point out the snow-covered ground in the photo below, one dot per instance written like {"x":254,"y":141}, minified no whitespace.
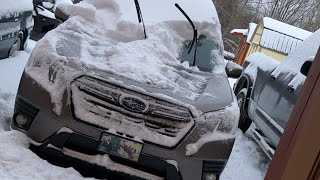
{"x":17,"y":162}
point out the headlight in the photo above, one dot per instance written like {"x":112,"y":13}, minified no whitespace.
{"x":225,"y":120}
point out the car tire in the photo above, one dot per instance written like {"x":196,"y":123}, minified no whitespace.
{"x":244,"y":121}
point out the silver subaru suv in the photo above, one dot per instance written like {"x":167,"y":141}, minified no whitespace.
{"x":135,"y":87}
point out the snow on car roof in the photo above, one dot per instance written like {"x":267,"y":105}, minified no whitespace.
{"x":10,"y":7}
{"x":286,"y":29}
{"x":306,"y":51}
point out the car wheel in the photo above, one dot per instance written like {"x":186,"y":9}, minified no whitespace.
{"x":244,"y":121}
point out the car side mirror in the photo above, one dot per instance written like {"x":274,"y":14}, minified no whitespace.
{"x":306,"y":67}
{"x":60,"y":14}
{"x":233,"y":69}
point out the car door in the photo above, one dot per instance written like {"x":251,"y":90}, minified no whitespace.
{"x":266,"y":103}
{"x":291,"y":88}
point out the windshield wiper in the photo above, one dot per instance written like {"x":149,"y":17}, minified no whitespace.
{"x":195,"y":35}
{"x":140,"y":18}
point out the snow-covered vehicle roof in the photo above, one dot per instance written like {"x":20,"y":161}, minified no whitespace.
{"x":10,"y":7}
{"x":306,"y":51}
{"x":104,"y":38}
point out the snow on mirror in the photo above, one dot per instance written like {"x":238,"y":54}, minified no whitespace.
{"x":48,"y":4}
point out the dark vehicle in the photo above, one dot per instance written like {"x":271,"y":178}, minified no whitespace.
{"x":44,"y":18}
{"x":105,"y":89}
{"x":267,"y":92}
{"x":15,"y":29}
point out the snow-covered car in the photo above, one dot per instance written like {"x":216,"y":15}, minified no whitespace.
{"x":15,"y":26}
{"x":150,"y":99}
{"x":267,"y":91}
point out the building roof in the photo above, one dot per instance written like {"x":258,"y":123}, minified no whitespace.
{"x":280,"y":36}
{"x":252,"y":28}
{"x":246,"y":32}
{"x":286,"y":29}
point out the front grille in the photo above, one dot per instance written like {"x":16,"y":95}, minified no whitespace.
{"x":134,"y":114}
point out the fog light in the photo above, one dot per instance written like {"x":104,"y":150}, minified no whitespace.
{"x":209,"y":176}
{"x":21,"y":120}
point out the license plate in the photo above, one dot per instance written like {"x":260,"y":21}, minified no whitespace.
{"x":120,"y":146}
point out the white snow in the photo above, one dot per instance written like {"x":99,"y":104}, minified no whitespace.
{"x":252,"y":28}
{"x":286,"y":29}
{"x":46,"y":13}
{"x":12,"y":7}
{"x":279,"y":42}
{"x":306,"y":51}
{"x":173,"y":162}
{"x":229,"y":55}
{"x":282,"y":37}
{"x":262,"y":61}
{"x":12,"y":68}
{"x":18,"y":162}
{"x":246,"y":32}
{"x":247,"y":160}
{"x":240,"y":31}
{"x":232,"y":81}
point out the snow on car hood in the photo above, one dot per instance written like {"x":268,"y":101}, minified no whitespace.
{"x":101,"y":36}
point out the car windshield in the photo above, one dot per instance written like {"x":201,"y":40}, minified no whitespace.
{"x":207,"y":51}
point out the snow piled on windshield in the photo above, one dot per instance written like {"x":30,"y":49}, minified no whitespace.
{"x":9,"y":8}
{"x":97,"y":37}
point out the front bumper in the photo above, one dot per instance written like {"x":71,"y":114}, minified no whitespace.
{"x":78,"y":140}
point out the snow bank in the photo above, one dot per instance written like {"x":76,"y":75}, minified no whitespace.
{"x":247,"y":161}
{"x":13,"y":68}
{"x":6,"y":109}
{"x":11,"y":7}
{"x":99,"y":36}
{"x":18,"y":162}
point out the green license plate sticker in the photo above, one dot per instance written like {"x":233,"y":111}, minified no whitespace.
{"x":119,"y":146}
